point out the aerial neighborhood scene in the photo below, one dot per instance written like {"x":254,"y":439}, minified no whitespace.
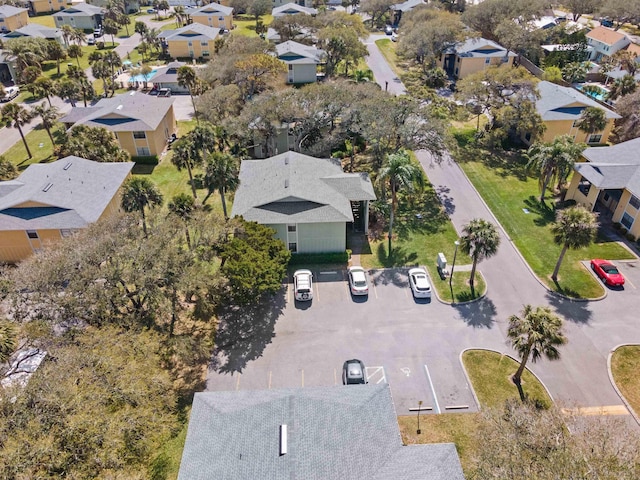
{"x":320,"y":239}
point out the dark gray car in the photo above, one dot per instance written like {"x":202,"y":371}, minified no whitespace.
{"x":353,"y":372}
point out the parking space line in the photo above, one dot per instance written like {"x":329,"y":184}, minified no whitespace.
{"x":630,"y":282}
{"x":270,"y":379}
{"x":317,"y":292}
{"x":288,"y":294}
{"x":433,"y":391}
{"x":238,"y":382}
{"x":375,"y":371}
{"x":335,"y":376}
{"x":375,"y":290}
{"x":302,"y":377}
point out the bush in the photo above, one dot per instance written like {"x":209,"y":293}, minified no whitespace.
{"x":100,"y":45}
{"x":318,"y":258}
{"x":623,"y":231}
{"x":617,"y":225}
{"x":631,"y":237}
{"x":146,"y":160}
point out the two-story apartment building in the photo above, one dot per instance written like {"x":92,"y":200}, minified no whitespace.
{"x":474,"y":55}
{"x":191,"y":41}
{"x":213,"y":15}
{"x":37,"y":7}
{"x":80,"y":15}
{"x":12,"y":18}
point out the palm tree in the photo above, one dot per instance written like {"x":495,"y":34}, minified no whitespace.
{"x":141,"y":27}
{"x":553,"y":160}
{"x":622,"y":86}
{"x":480,"y":239}
{"x":49,"y":116}
{"x":574,"y":228}
{"x":592,"y":120}
{"x":365,"y":75}
{"x":8,"y":340}
{"x":67,"y":33}
{"x":222,"y":175}
{"x":139,"y":193}
{"x":188,"y":78}
{"x":205,"y":138}
{"x":75,"y":51}
{"x":78,"y":36}
{"x":152,"y":37}
{"x":179,"y":13}
{"x":182,"y":206}
{"x":56,"y":52}
{"x":100,"y":69}
{"x":146,"y":71}
{"x":113,"y":60}
{"x":186,"y":155}
{"x":43,"y":87}
{"x":535,"y":333}
{"x":68,"y":89}
{"x":15,"y":115}
{"x":399,"y":172}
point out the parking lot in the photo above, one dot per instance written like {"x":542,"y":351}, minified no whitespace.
{"x":410,"y":344}
{"x":630,"y":269}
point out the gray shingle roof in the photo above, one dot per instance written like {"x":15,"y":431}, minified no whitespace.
{"x":408,"y":5}
{"x":37,"y":31}
{"x":193,"y":32}
{"x":211,"y":9}
{"x":80,"y":10}
{"x":73,"y":192}
{"x":479,"y":48}
{"x":565,"y":103}
{"x":291,"y":52}
{"x":129,"y":112}
{"x":345,"y":433}
{"x":296,"y":188}
{"x":292,"y":9}
{"x":10,"y":10}
{"x":168,"y":73}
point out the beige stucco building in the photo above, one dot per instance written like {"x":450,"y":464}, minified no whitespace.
{"x":213,"y":15}
{"x":12,"y":18}
{"x":474,"y":55}
{"x":141,"y":123}
{"x":50,"y":201}
{"x":38,"y":7}
{"x":191,"y":41}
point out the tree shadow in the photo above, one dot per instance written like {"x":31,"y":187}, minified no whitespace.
{"x":142,"y":169}
{"x":546,"y":214}
{"x":244,"y":332}
{"x":571,"y":310}
{"x":399,"y":256}
{"x":447,"y":202}
{"x":421,"y":212}
{"x":393,"y":276}
{"x":479,"y":314}
{"x":358,"y":243}
{"x":567,"y":292}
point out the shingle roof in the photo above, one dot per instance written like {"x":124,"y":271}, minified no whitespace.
{"x":292,"y":52}
{"x":292,"y":9}
{"x":81,"y":10}
{"x":211,"y":9}
{"x":479,"y":48}
{"x":168,"y":73}
{"x":565,"y":103}
{"x":73,"y":192}
{"x":296,"y":188}
{"x":408,"y":5}
{"x":10,"y":10}
{"x":344,"y":432}
{"x":194,"y":31}
{"x":606,"y":35}
{"x":37,"y":31}
{"x":123,"y":113}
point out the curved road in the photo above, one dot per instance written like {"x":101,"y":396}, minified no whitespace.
{"x":593,"y":329}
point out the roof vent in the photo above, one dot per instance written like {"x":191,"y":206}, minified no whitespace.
{"x":119,"y":107}
{"x":286,"y":183}
{"x":67,"y":166}
{"x":47,"y":187}
{"x":283,"y":440}
{"x":286,"y":160}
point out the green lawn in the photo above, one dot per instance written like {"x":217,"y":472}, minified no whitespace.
{"x":490,"y":374}
{"x":625,"y":363}
{"x":167,"y":461}
{"x":40,"y":146}
{"x":513,"y":198}
{"x":46,"y":20}
{"x":388,"y":50}
{"x":246,"y":24}
{"x":49,"y":68}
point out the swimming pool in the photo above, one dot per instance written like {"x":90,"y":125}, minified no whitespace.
{"x":599,"y":94}
{"x":141,"y":79}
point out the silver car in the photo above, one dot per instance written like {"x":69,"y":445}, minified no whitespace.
{"x":419,"y":282}
{"x":303,"y":285}
{"x":358,"y":281}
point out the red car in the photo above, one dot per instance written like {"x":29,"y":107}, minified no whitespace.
{"x":608,"y":272}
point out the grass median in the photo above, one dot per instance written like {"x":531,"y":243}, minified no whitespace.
{"x":625,"y":364}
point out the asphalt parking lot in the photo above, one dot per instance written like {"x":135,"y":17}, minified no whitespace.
{"x":405,"y":342}
{"x":630,"y":269}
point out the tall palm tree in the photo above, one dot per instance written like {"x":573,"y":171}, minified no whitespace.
{"x":186,"y":155}
{"x":535,"y":333}
{"x":68,"y":89}
{"x":179,"y":13}
{"x":205,"y":138}
{"x":222,"y":175}
{"x":43,"y":87}
{"x":399,"y":172}
{"x":553,"y":160}
{"x":622,"y":86}
{"x":56,"y":52}
{"x":113,"y":60}
{"x":78,"y":36}
{"x":8,"y":340}
{"x":67,"y":33}
{"x":480,"y":239}
{"x":592,"y":120}
{"x":49,"y":116}
{"x":152,"y":37}
{"x":188,"y":78}
{"x":139,"y":193}
{"x":75,"y":51}
{"x":15,"y":115}
{"x":182,"y":206}
{"x":574,"y":228}
{"x":100,"y":69}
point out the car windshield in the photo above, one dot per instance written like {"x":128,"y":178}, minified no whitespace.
{"x":303,"y":290}
{"x":359,"y":280}
{"x":355,"y":371}
{"x":610,"y":269}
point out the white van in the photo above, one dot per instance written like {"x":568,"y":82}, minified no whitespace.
{"x":10,"y":93}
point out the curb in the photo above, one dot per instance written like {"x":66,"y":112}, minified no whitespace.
{"x":504,"y":355}
{"x":613,"y":383}
{"x":456,"y":304}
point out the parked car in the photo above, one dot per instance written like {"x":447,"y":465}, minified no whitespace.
{"x":91,"y":40}
{"x":358,"y":281}
{"x":151,"y":10}
{"x":353,"y":372}
{"x":608,"y":272}
{"x":388,"y":30}
{"x":419,"y":282}
{"x":606,"y":22}
{"x":303,"y":285}
{"x":97,"y":32}
{"x":10,"y":93}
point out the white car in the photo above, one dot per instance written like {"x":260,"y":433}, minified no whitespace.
{"x":10,"y":93}
{"x":419,"y":282}
{"x":303,"y":285}
{"x":358,"y":281}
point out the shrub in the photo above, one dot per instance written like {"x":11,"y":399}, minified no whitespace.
{"x":623,"y":231}
{"x":146,"y":160}
{"x":316,"y":258}
{"x":100,"y":45}
{"x":617,"y":225}
{"x":631,"y":237}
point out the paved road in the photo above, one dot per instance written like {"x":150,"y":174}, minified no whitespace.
{"x":382,"y":72}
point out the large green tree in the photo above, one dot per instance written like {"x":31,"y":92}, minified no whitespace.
{"x":222,"y":175}
{"x":186,"y":154}
{"x":592,"y":120}
{"x":553,"y":161}
{"x":480,"y":239}
{"x":537,"y":332}
{"x":182,"y":206}
{"x":627,"y":127}
{"x":399,"y":172}
{"x":49,"y":115}
{"x":575,"y":227}
{"x":138,"y":194}
{"x":93,"y":143}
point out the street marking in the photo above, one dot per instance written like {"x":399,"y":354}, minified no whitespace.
{"x":375,"y":290}
{"x":433,"y":391}
{"x":288,"y":294}
{"x":328,"y":273}
{"x":317,"y":293}
{"x":420,"y":409}
{"x":335,"y":376}
{"x":455,"y":407}
{"x":238,"y":382}
{"x":406,"y":371}
{"x":375,"y":372}
{"x":269,"y":379}
{"x":630,"y":283}
{"x":604,"y":410}
{"x":302,"y":377}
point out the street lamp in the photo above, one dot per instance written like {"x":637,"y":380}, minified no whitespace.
{"x":453,"y":265}
{"x":419,"y":408}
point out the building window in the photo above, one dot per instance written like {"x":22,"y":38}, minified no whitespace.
{"x":32,"y":234}
{"x":594,"y":138}
{"x":290,"y":68}
{"x":205,"y":53}
{"x":626,"y":221}
{"x":584,"y":187}
{"x":487,"y":61}
{"x":59,"y":19}
{"x":65,"y":232}
{"x":143,"y":151}
{"x":291,"y":227}
{"x":293,"y":247}
{"x":191,"y":44}
{"x":634,"y":202}
{"x":204,"y":44}
{"x":139,"y":135}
